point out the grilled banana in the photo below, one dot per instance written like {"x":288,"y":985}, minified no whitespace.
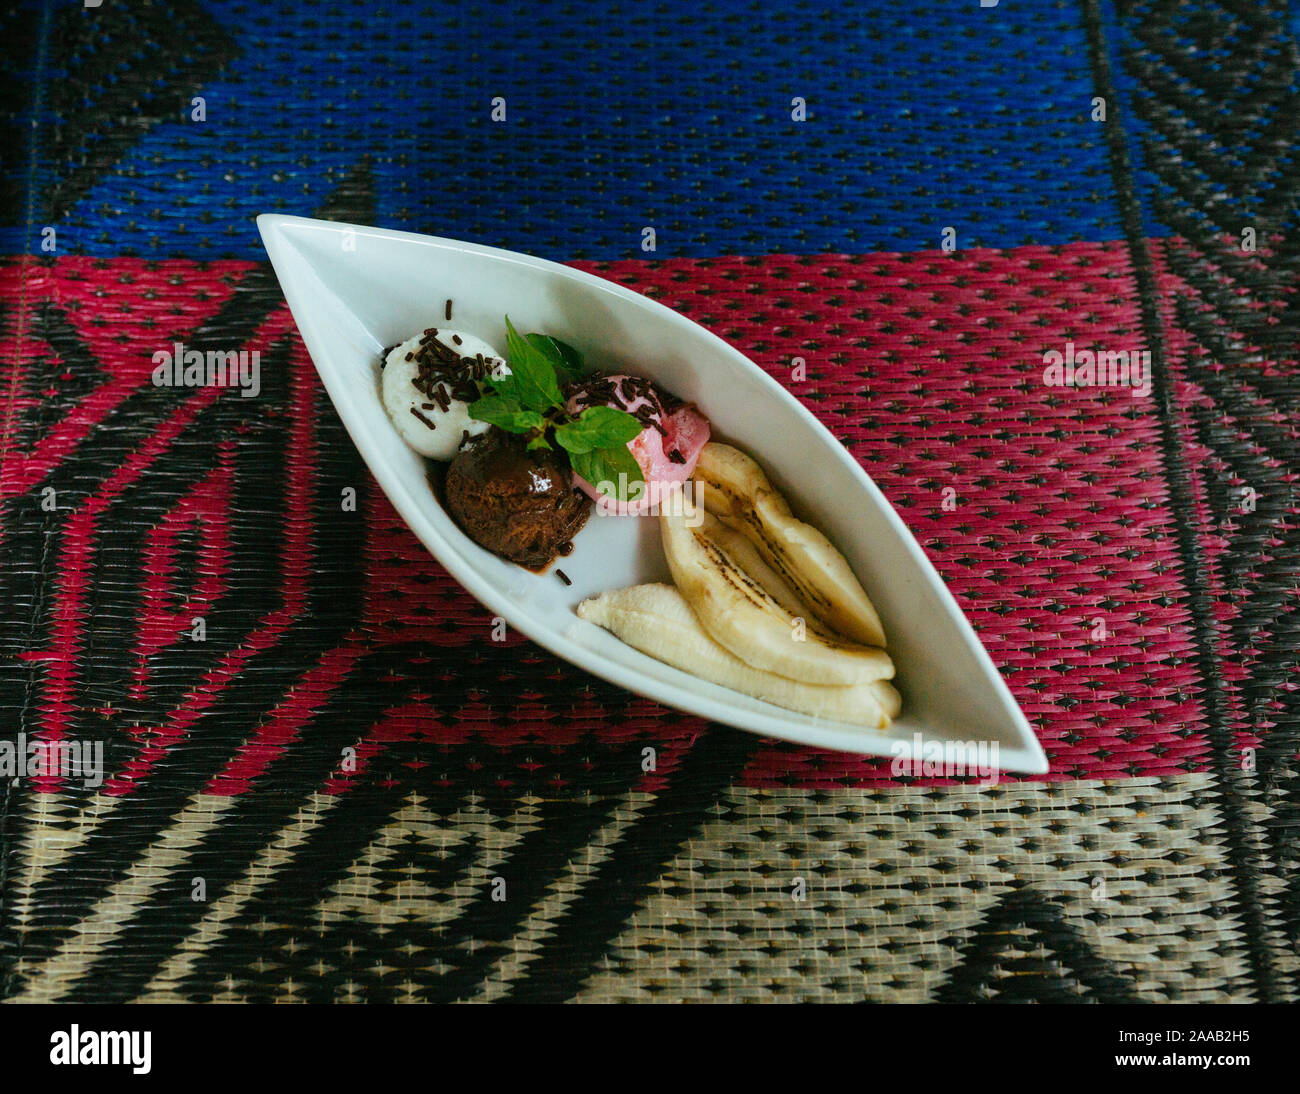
{"x":737,"y":492}
{"x":741,"y":614}
{"x":658,"y":621}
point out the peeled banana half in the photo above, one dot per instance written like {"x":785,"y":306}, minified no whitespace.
{"x":657,"y":620}
{"x":734,"y":488}
{"x":753,"y":612}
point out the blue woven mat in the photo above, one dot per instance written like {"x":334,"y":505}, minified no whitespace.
{"x":917,"y":117}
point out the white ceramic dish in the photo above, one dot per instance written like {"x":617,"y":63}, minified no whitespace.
{"x":354,"y":290}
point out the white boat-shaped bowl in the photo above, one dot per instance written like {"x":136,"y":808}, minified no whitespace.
{"x":354,"y":290}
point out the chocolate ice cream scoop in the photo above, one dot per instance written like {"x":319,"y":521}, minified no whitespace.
{"x":518,"y":504}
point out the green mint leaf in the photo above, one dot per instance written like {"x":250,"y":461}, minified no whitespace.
{"x":612,"y":471}
{"x":532,"y":373}
{"x":505,"y":413}
{"x":506,"y":387}
{"x":539,"y":441}
{"x":566,"y":360}
{"x":598,"y":427}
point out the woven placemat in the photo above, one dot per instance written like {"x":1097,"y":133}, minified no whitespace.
{"x":349,"y":791}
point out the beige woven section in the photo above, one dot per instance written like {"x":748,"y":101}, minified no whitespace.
{"x":59,"y":829}
{"x":780,"y":895}
{"x":896,"y":880}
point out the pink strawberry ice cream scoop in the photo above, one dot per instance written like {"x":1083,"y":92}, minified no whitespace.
{"x":667,"y":449}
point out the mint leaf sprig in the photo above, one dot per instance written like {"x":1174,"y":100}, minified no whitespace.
{"x":529,"y":401}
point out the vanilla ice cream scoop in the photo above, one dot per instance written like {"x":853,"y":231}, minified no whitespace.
{"x":428,"y":384}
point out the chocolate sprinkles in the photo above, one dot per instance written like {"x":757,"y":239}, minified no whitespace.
{"x":443,"y":374}
{"x":602,"y":391}
{"x":563,"y":577}
{"x":447,"y":311}
{"x":426,"y":421}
